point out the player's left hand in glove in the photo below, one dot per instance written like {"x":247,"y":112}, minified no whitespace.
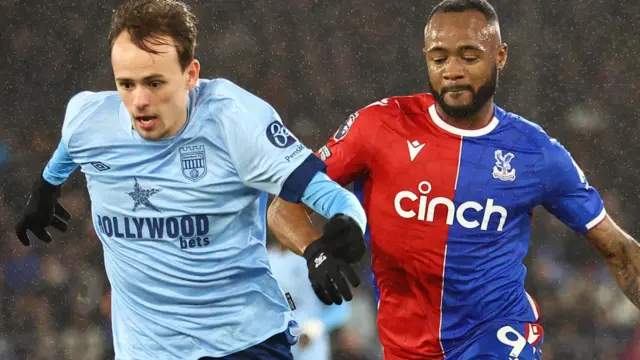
{"x":343,"y":237}
{"x":327,"y":274}
{"x":43,"y":210}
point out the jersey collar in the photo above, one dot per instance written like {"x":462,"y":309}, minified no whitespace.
{"x":461,"y":132}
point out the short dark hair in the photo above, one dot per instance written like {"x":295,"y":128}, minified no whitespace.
{"x":147,"y":20}
{"x":483,"y":6}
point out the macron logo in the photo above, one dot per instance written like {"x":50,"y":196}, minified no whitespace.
{"x":414,"y":148}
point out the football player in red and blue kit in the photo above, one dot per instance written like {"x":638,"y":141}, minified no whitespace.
{"x":449,"y":181}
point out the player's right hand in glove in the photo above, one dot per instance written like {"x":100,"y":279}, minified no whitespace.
{"x":342,"y":240}
{"x":43,"y":210}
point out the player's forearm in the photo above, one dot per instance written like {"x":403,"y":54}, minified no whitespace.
{"x":327,"y":198}
{"x":291,"y":225}
{"x":59,"y":167}
{"x":626,"y":269}
{"x":622,"y":253}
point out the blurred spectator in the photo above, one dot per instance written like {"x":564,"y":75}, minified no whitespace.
{"x":317,"y":321}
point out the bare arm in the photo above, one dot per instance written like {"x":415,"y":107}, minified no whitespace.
{"x":291,"y":224}
{"x":622,"y":254}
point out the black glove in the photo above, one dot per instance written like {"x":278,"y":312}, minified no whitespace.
{"x":344,"y":238}
{"x":42,"y":210}
{"x":327,"y":274}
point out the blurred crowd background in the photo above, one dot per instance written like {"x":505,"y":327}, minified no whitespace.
{"x":573,"y":68}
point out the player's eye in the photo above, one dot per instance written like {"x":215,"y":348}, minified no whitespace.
{"x":126,"y":86}
{"x":470,"y":59}
{"x":156,"y":84}
{"x":439,"y":60}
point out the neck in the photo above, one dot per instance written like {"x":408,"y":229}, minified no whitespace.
{"x":183,"y":120}
{"x":474,"y":121}
{"x":178,"y":125}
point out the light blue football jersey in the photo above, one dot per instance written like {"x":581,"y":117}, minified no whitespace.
{"x":182,"y":221}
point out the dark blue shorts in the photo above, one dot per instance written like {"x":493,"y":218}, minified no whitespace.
{"x":277,"y":347}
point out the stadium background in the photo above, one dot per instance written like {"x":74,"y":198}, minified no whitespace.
{"x":573,"y":67}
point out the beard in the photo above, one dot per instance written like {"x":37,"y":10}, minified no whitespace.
{"x":479,"y":98}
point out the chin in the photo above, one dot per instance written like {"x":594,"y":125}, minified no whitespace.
{"x":458,"y":111}
{"x":459,"y":103}
{"x":152,"y":137}
{"x":153,"y":134}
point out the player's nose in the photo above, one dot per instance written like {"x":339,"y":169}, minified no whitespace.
{"x":140,"y":98}
{"x":453,"y":70}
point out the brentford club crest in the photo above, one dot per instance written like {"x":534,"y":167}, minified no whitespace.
{"x":193,"y":162}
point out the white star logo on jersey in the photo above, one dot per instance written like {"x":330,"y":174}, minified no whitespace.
{"x":414,"y":148}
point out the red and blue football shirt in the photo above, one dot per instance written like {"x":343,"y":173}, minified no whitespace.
{"x":449,"y":213}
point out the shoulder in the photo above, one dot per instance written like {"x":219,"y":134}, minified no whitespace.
{"x":384,"y":111}
{"x":86,"y":105}
{"x":533,"y":138}
{"x":223,"y":97}
{"x":395,"y":106}
{"x":223,"y":105}
{"x":526,"y":132}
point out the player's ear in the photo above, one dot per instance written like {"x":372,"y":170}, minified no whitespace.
{"x":502,"y":56}
{"x":192,"y":74}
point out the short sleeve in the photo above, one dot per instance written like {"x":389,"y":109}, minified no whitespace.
{"x":78,"y":109}
{"x":61,"y":164}
{"x":347,"y":153}
{"x":266,"y":155}
{"x":568,"y":194}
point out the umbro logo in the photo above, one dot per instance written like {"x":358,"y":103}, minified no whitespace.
{"x":100,"y":166}
{"x":414,"y":148}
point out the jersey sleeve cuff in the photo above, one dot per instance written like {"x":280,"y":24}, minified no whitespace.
{"x":597,"y":220}
{"x":297,"y":182}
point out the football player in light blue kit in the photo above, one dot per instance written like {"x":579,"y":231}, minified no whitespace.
{"x":178,"y":170}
